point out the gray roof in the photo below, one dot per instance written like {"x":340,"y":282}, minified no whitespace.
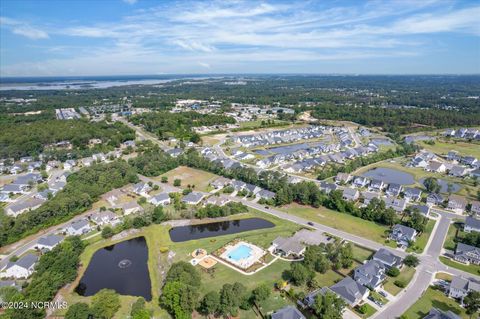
{"x":161,"y":197}
{"x":370,"y":274}
{"x":401,"y":231}
{"x":27,"y":204}
{"x":438,"y":314}
{"x":50,"y":240}
{"x":289,"y":245}
{"x":266,"y":194}
{"x":349,"y":290}
{"x":464,"y":248}
{"x":289,"y":312}
{"x":472,"y":222}
{"x":422,"y":209}
{"x":26,"y":261}
{"x":386,"y":257}
{"x":79,"y":224}
{"x":193,"y":197}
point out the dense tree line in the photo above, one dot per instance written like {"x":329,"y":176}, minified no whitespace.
{"x":55,"y":269}
{"x":22,"y":139}
{"x":179,"y":125}
{"x":83,"y":188}
{"x":397,"y":120}
{"x":213,"y":211}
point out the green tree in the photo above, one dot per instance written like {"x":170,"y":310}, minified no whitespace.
{"x":431,"y":185}
{"x":107,"y":232}
{"x":393,"y":272}
{"x":411,"y":261}
{"x":79,"y":310}
{"x":328,"y":306}
{"x":138,"y":310}
{"x":158,"y":215}
{"x":164,"y":179}
{"x":210,"y":303}
{"x":105,"y":304}
{"x":299,"y":274}
{"x":177,"y":182}
{"x":472,"y":302}
{"x":231,"y":297}
{"x":179,"y":299}
{"x":261,"y":293}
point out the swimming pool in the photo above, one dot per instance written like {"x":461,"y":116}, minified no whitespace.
{"x":241,"y":252}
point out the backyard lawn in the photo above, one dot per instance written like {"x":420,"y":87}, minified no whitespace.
{"x":344,"y":222}
{"x":454,"y":231}
{"x":473,"y":269}
{"x":422,"y":241}
{"x":433,"y":298}
{"x":406,"y":275}
{"x":370,"y":311}
{"x":190,"y":176}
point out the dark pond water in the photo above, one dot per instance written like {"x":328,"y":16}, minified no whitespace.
{"x":292,"y":148}
{"x":262,"y":152}
{"x":185,"y":233}
{"x":389,"y":175}
{"x":121,"y":267}
{"x":444,"y":185}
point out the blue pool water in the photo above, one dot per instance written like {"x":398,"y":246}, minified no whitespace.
{"x":239,"y":253}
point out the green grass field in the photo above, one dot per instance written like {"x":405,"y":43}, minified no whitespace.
{"x":434,"y":298}
{"x":406,"y":275}
{"x":344,"y":222}
{"x":422,"y":241}
{"x":190,"y":176}
{"x":443,"y":146}
{"x":370,"y":311}
{"x":473,"y":269}
{"x":454,"y":231}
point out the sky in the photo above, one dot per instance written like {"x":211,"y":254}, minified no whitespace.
{"x":127,"y":37}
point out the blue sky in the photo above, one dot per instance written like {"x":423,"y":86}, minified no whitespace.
{"x":122,"y":37}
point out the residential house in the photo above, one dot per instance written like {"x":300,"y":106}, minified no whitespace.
{"x":193,"y":198}
{"x":368,"y":196}
{"x":350,"y":194}
{"x":288,"y":312}
{"x":175,"y":152}
{"x":23,"y":206}
{"x":422,"y":209}
{"x":403,"y":235}
{"x":220,"y":182}
{"x":434,"y":199}
{"x":387,"y":258}
{"x":436,"y":167}
{"x":266,"y":194}
{"x":453,"y":156}
{"x":377,"y":185}
{"x":412,"y":194}
{"x":460,"y":287}
{"x":288,"y":247}
{"x":69,"y":164}
{"x":22,"y":268}
{"x":48,"y":242}
{"x":467,"y":254}
{"x":131,"y":207}
{"x":142,"y":189}
{"x":105,"y":218}
{"x":78,"y":227}
{"x":99,"y":157}
{"x":218,"y":200}
{"x":471,"y":224}
{"x":350,"y":291}
{"x":360,"y":181}
{"x":160,"y":199}
{"x":238,"y":185}
{"x":252,"y":189}
{"x":475,"y":207}
{"x":394,"y":189}
{"x":328,"y":187}
{"x":343,"y":178}
{"x":456,"y":203}
{"x":439,"y":314}
{"x":398,"y":204}
{"x":87,"y":161}
{"x":371,"y":274}
{"x":113,"y":196}
{"x":14,"y":189}
{"x":458,"y":171}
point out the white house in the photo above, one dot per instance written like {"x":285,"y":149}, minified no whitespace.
{"x":131,"y":208}
{"x":22,"y":268}
{"x":48,"y":242}
{"x":471,"y":224}
{"x":105,"y":218}
{"x":78,"y":227}
{"x":142,"y":189}
{"x":160,"y":199}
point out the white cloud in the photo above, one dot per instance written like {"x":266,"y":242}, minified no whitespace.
{"x":130,"y":1}
{"x":205,"y":65}
{"x":23,"y":29}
